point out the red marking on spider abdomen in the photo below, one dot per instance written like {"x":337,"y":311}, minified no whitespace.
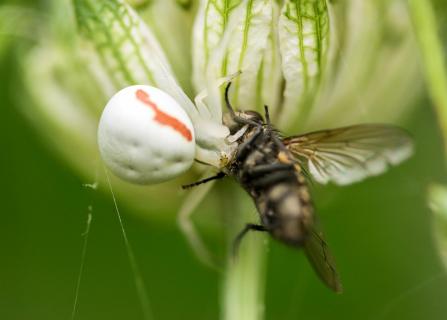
{"x":163,"y":118}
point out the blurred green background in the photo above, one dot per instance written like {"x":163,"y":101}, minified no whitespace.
{"x":380,"y":232}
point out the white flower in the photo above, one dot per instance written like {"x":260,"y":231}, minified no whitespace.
{"x":315,"y":63}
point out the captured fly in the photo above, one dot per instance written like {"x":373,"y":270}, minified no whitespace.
{"x":275,"y":172}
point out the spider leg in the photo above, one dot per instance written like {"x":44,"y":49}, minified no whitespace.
{"x":188,"y":228}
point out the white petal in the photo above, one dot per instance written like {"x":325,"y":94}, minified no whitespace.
{"x":374,"y":75}
{"x":240,"y":46}
{"x":211,"y":21}
{"x":270,"y":73}
{"x":245,"y":51}
{"x":304,"y":38}
{"x":174,"y":37}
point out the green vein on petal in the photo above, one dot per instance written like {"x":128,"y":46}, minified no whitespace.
{"x":211,"y":22}
{"x":114,"y":31}
{"x":242,"y":48}
{"x":127,"y":49}
{"x":304,"y":40}
{"x":269,"y":87}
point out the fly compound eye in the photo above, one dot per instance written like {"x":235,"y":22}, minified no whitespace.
{"x":145,"y":136}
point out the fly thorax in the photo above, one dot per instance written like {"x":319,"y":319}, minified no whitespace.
{"x":255,"y":157}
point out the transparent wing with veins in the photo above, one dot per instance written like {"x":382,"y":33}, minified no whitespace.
{"x":321,"y":259}
{"x":350,"y":154}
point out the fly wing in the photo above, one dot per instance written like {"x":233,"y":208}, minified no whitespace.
{"x":321,"y":260}
{"x":350,"y":154}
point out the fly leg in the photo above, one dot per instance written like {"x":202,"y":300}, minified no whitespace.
{"x":248,"y":227}
{"x":267,"y":116}
{"x":275,"y":138}
{"x":218,"y":176}
{"x":273,"y":178}
{"x":247,"y":146}
{"x":263,"y":169}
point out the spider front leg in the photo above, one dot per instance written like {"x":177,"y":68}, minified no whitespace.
{"x":188,"y":228}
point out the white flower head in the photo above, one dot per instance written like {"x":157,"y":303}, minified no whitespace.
{"x":315,"y":63}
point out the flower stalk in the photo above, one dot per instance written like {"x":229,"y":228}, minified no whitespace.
{"x":437,"y":195}
{"x":424,"y":20}
{"x":244,"y":276}
{"x":244,"y":283}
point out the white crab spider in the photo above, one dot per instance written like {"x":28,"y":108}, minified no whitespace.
{"x":145,"y":136}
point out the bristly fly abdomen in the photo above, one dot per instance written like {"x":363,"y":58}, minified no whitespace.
{"x":264,"y":168}
{"x":275,"y":172}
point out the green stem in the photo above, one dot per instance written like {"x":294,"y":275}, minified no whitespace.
{"x":244,"y":278}
{"x":424,"y":20}
{"x":438,"y":203}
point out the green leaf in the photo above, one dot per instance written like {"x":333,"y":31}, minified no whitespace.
{"x":304,"y":41}
{"x":18,"y":22}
